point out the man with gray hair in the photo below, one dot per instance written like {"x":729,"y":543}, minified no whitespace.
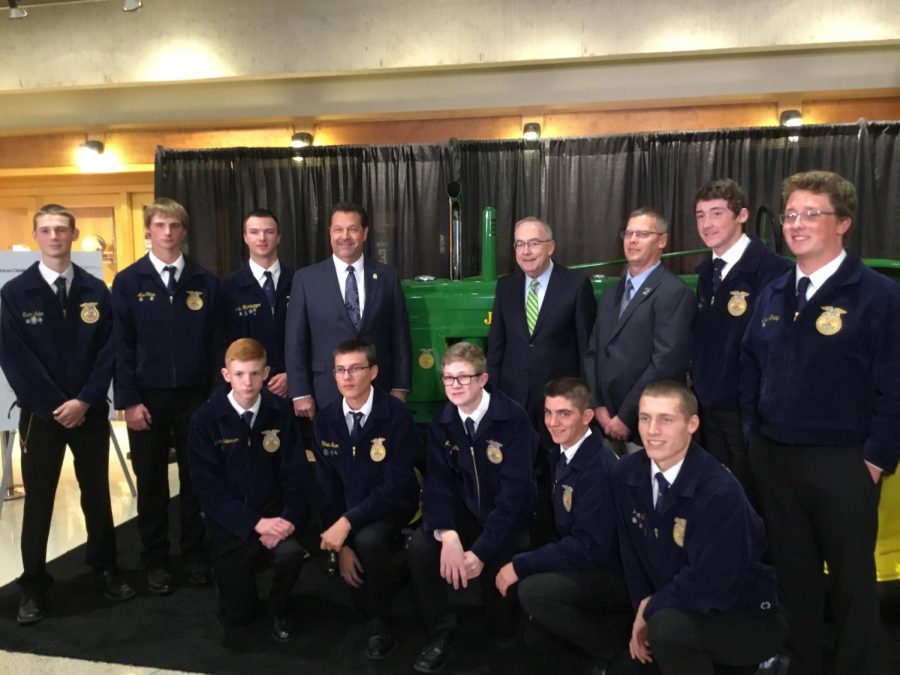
{"x":539,"y":331}
{"x":642,"y":332}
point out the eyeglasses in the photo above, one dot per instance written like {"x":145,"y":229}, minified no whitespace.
{"x":352,"y":371}
{"x":531,"y":244}
{"x":463,"y":380}
{"x":640,"y":234}
{"x":806,"y":215}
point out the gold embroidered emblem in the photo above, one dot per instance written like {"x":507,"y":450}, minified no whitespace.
{"x":426,"y":359}
{"x":89,"y":312}
{"x":494,"y":454}
{"x":567,"y":497}
{"x":378,"y":451}
{"x":194,"y":301}
{"x":829,"y":322}
{"x":737,"y":305}
{"x":271,"y":442}
{"x":678,"y":531}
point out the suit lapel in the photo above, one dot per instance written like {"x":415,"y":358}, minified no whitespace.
{"x":373,"y":294}
{"x":640,"y":297}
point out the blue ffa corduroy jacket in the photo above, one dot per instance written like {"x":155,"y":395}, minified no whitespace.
{"x":247,"y":313}
{"x":162,"y":344}
{"x":375,"y":477}
{"x":704,"y":551}
{"x":492,"y":479}
{"x":831,"y":374}
{"x":49,"y":358}
{"x":720,"y":322}
{"x":584,"y":514}
{"x":241,"y":475}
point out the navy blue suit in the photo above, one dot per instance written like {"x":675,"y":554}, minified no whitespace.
{"x":247,"y":313}
{"x":164,"y":360}
{"x":820,"y":393}
{"x":372,"y":484}
{"x":716,"y":349}
{"x":241,"y":475}
{"x":50,"y":358}
{"x":700,"y":562}
{"x":485,"y":492}
{"x":520,"y":364}
{"x":648,"y":343}
{"x":317,"y":322}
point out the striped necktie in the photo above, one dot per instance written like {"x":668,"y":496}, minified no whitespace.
{"x":531,"y":306}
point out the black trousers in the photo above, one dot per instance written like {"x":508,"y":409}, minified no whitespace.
{"x":722,"y":435}
{"x":43,"y":449}
{"x":434,"y":592}
{"x":234,"y":563}
{"x":170,"y":410}
{"x":588,"y":608}
{"x":821,"y":506}
{"x":377,"y":545}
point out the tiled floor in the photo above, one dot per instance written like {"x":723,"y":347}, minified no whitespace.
{"x":66,"y":532}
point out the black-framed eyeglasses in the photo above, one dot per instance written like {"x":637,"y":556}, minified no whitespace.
{"x":806,"y":215}
{"x":640,"y":234}
{"x":463,"y":380}
{"x":352,"y":371}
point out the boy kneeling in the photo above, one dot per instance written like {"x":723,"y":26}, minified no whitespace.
{"x":248,"y":471}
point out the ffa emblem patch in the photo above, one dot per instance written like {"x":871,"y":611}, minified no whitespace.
{"x":494,"y":455}
{"x":678,"y":531}
{"x":426,"y":359}
{"x":149,"y":296}
{"x":194,"y":301}
{"x":89,"y":312}
{"x":271,"y":442}
{"x":737,"y":305}
{"x":567,"y":497}
{"x":378,"y":451}
{"x":829,"y":322}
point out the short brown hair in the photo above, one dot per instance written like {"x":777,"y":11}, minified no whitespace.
{"x":262,"y":213}
{"x":841,"y":192}
{"x":356,"y":345}
{"x":673,"y":389}
{"x":350,"y":207}
{"x":723,"y":188}
{"x":573,"y":389}
{"x":53,"y":210}
{"x":662,"y":225}
{"x":167,"y":207}
{"x":467,"y":353}
{"x":245,"y":349}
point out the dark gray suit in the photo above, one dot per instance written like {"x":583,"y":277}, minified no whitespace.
{"x":520,"y":363}
{"x":650,"y":342}
{"x":317,"y":322}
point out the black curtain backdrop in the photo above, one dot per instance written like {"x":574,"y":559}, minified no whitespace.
{"x":584,"y":187}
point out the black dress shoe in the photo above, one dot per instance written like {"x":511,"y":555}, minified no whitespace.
{"x":283,"y":628}
{"x":197,"y":573}
{"x":159,"y":581}
{"x":112,"y":586}
{"x":381,"y":640}
{"x":432,"y":658}
{"x":331,"y":564}
{"x":31,"y":610}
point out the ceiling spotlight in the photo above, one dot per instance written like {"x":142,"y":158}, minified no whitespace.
{"x":791,"y":118}
{"x":132,"y":5}
{"x":531,"y":131}
{"x":16,"y":12}
{"x":301,"y":139}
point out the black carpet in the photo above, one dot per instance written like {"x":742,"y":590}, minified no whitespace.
{"x":181,"y":632}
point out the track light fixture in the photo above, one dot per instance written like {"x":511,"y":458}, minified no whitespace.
{"x":301,"y":139}
{"x":132,"y":5}
{"x":16,"y":12}
{"x":791,"y":118}
{"x":531,"y":131}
